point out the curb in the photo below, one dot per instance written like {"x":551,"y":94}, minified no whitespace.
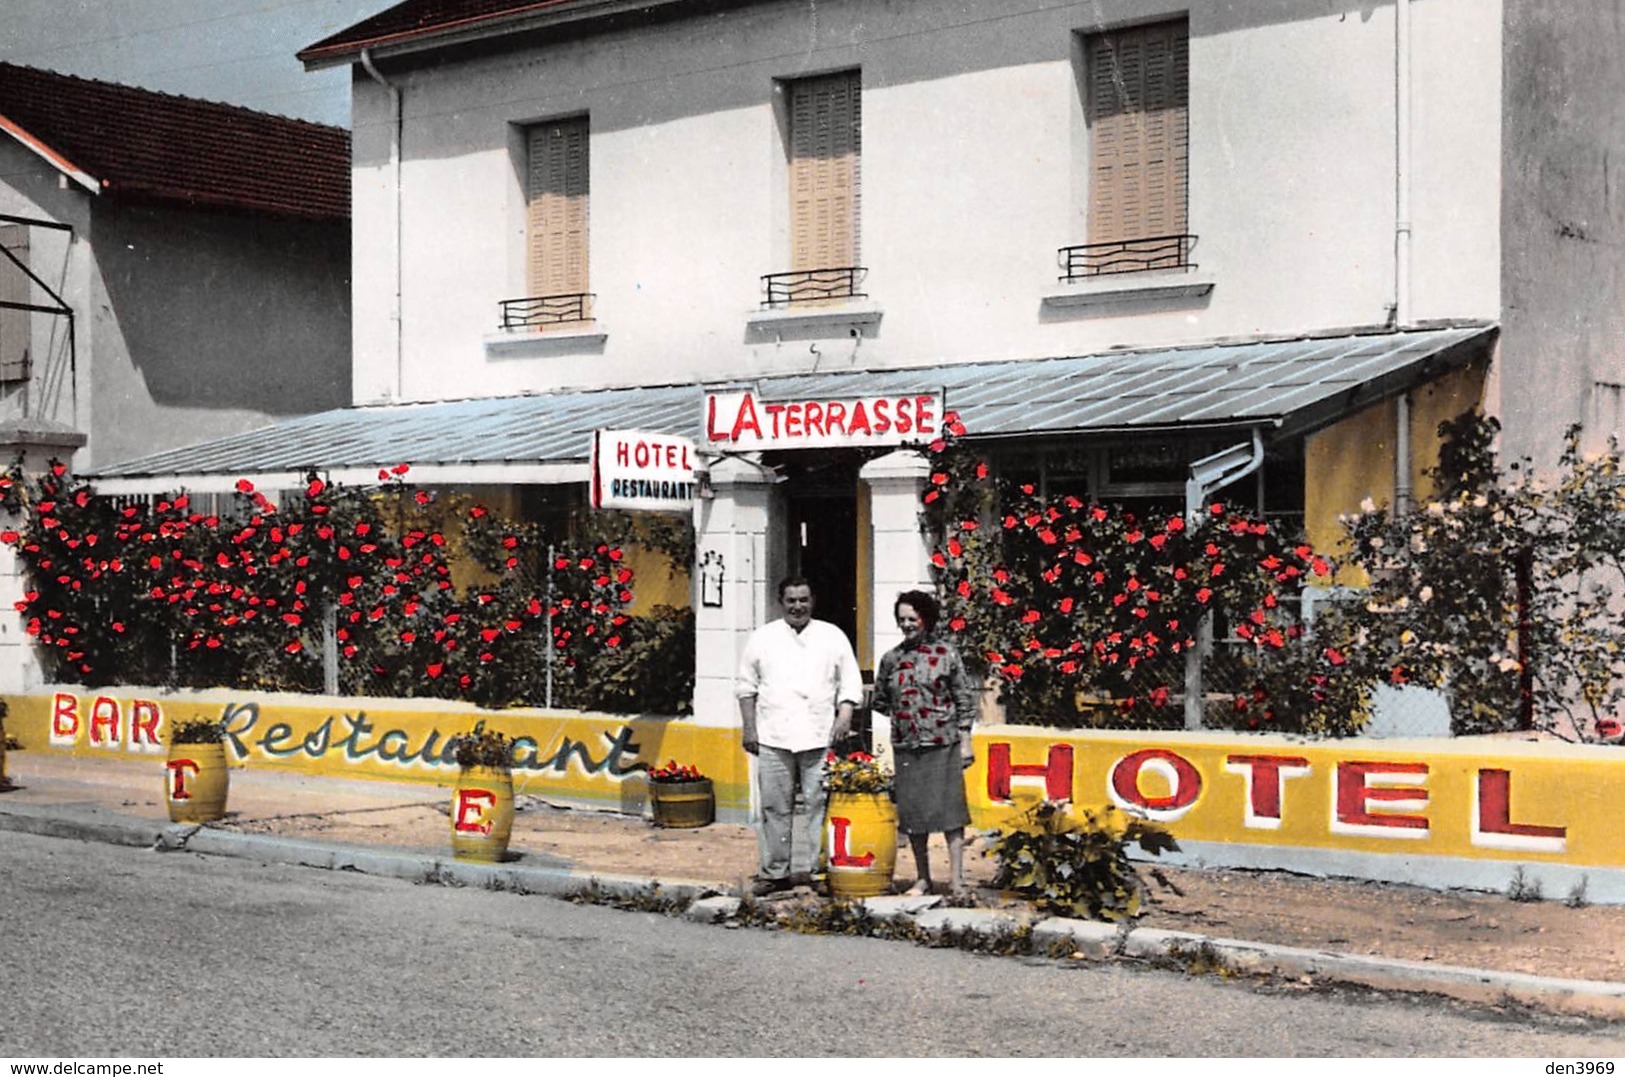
{"x":711,"y":903}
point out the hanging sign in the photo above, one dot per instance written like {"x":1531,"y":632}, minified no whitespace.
{"x":738,"y":419}
{"x":641,"y":471}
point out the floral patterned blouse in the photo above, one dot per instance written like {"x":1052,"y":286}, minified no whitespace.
{"x":928,"y":693}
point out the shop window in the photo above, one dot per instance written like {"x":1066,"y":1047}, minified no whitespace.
{"x":14,"y":288}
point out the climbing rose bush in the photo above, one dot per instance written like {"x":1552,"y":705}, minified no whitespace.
{"x":1085,"y":614}
{"x":137,"y":593}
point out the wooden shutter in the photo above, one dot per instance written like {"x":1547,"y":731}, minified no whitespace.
{"x":14,"y":288}
{"x":825,"y":147}
{"x":556,"y":208}
{"x":1139,"y":106}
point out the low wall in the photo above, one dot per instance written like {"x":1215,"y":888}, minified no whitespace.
{"x":1466,"y":812}
{"x":595,"y":760}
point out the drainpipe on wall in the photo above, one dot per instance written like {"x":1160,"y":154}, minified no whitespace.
{"x":1210,"y":474}
{"x":1402,"y":453}
{"x":397,"y":122}
{"x":1402,"y":163}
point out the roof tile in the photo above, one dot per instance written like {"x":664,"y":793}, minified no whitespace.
{"x":142,"y":144}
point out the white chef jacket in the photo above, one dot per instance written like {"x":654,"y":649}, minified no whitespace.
{"x":797,"y":679}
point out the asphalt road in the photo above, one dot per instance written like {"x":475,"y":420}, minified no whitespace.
{"x":115,"y":951}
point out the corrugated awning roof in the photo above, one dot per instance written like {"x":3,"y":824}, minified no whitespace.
{"x":1288,"y":386}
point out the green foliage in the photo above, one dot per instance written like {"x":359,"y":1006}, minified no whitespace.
{"x":198,"y":731}
{"x":858,"y":772}
{"x":481,"y":747}
{"x":651,"y":670}
{"x":1076,"y":862}
{"x":1502,"y":592}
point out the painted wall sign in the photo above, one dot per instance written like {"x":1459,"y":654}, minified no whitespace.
{"x":598,"y":759}
{"x":1454,"y":799}
{"x":1440,"y":809}
{"x":641,"y":471}
{"x":739,"y":420}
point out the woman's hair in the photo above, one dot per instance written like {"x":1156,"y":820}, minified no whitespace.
{"x":925,"y":605}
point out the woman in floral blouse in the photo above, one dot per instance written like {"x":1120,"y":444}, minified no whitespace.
{"x":922,"y":684}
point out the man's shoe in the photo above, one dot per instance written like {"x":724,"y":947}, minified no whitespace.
{"x":761,"y":887}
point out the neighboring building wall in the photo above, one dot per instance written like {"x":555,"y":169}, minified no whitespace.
{"x":213,"y":324}
{"x":187,"y":325}
{"x":29,"y":188}
{"x":973,"y":141}
{"x":1563,"y":328}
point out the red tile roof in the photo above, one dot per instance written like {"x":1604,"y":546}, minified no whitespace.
{"x":416,"y":19}
{"x":158,"y":147}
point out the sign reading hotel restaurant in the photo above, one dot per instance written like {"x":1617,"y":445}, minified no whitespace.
{"x":738,"y":419}
{"x":636,"y":470}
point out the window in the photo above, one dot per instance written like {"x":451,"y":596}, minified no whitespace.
{"x":556,"y":186}
{"x":14,"y":288}
{"x":825,"y":122}
{"x":1139,"y":147}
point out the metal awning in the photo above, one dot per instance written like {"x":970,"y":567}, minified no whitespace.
{"x":1288,"y":387}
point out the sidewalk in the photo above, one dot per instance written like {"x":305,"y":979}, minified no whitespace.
{"x":1301,"y":931}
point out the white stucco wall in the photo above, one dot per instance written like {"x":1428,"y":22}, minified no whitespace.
{"x":972,"y":129}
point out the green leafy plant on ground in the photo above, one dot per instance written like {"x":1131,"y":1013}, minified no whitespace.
{"x":1075,"y":862}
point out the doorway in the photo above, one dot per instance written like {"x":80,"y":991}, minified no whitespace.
{"x":821,"y":511}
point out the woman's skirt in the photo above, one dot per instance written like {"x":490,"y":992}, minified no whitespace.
{"x":930,"y":790}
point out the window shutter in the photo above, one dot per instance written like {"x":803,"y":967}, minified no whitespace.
{"x":1139,"y":106}
{"x":556,"y":208}
{"x":825,"y":150}
{"x":14,"y":288}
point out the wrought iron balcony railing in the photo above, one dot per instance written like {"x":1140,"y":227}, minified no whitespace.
{"x":541,"y":311}
{"x":1130,"y":256}
{"x":814,"y":285}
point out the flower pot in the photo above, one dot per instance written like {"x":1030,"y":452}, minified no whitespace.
{"x":482,"y":813}
{"x":860,"y":844}
{"x":195,"y":782}
{"x":683,"y":804}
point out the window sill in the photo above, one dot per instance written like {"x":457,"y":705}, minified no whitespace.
{"x":525,"y":343}
{"x":1155,"y":286}
{"x":840,"y":320}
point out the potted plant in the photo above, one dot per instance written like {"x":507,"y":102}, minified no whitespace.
{"x":860,"y":826}
{"x":482,"y":797}
{"x":680,"y":796}
{"x":196,"y":779}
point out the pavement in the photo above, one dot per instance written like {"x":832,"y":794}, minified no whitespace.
{"x":401,"y":830}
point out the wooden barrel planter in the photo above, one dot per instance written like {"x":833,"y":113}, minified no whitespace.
{"x":482,"y":814}
{"x":860,"y":844}
{"x":684,"y":804}
{"x":196,"y":782}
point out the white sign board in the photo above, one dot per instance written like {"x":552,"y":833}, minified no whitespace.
{"x":737,"y":420}
{"x":640,"y":471}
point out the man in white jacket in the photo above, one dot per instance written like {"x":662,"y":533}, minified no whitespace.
{"x":798,"y":683}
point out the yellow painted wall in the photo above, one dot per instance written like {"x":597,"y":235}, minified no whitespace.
{"x":1448,"y":798}
{"x":1353,"y":459}
{"x":1406,"y":798}
{"x":866,"y":580}
{"x":587,"y":758}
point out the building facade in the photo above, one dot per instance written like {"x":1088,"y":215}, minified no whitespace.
{"x":1146,"y":251}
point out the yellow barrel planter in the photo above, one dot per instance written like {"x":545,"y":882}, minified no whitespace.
{"x":860,"y":826}
{"x":680,"y":797}
{"x":196,"y":780}
{"x":482,"y":797}
{"x":482,"y":814}
{"x":860,"y":844}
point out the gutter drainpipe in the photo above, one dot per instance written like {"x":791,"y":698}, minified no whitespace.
{"x":1402,"y":163}
{"x":1208,"y":475}
{"x":1402,"y":240}
{"x":398,"y":123}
